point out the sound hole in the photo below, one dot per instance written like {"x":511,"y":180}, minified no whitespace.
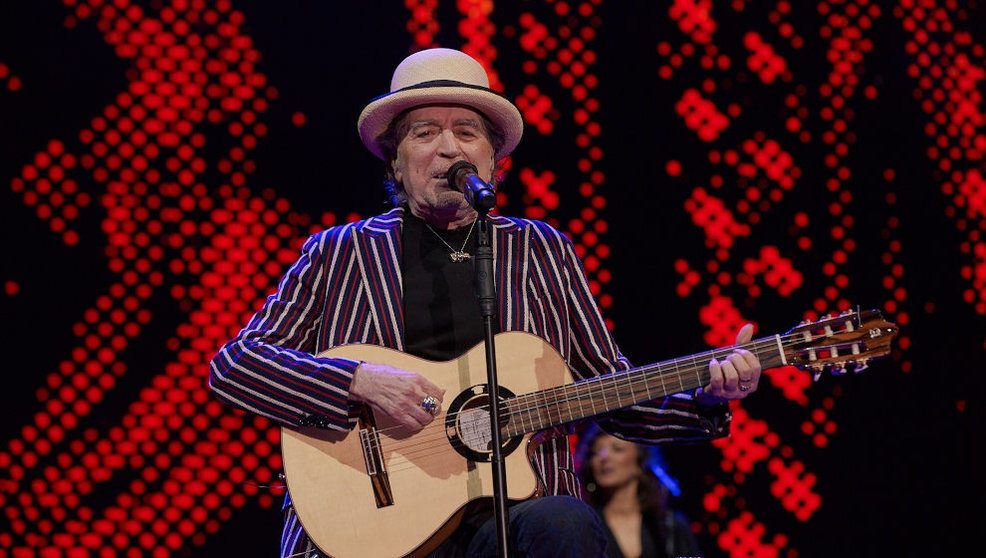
{"x":467,"y":424}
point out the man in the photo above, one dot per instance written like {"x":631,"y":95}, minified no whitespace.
{"x":403,"y":280}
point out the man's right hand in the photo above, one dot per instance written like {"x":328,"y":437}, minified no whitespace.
{"x":399,"y":393}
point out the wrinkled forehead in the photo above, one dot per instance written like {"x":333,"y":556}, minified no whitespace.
{"x":444,"y":114}
{"x":400,"y":126}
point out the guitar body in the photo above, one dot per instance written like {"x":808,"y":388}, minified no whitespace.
{"x":432,"y":479}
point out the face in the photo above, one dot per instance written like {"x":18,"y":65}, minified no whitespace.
{"x":437,"y":137}
{"x":613,"y":462}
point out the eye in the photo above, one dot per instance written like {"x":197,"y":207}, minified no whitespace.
{"x":423,"y":131}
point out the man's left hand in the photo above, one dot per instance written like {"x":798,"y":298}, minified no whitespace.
{"x":735,"y":377}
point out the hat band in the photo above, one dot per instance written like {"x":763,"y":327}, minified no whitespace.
{"x":442,"y":83}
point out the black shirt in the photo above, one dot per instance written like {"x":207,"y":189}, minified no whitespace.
{"x":441,"y":313}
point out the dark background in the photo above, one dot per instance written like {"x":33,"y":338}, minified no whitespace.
{"x":903,"y":467}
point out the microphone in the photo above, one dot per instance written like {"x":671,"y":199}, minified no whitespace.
{"x":463,"y":175}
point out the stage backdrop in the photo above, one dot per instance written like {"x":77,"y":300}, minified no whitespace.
{"x":714,"y":163}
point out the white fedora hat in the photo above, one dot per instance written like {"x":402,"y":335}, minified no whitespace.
{"x":440,"y":76}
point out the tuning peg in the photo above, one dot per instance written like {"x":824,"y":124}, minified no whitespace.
{"x":838,"y":370}
{"x":861,"y":365}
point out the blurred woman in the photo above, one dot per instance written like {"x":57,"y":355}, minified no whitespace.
{"x":620,"y":482}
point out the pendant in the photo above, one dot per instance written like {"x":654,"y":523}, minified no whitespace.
{"x":459,"y":256}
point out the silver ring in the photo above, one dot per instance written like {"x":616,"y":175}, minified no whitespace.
{"x":744,"y":388}
{"x":430,"y":404}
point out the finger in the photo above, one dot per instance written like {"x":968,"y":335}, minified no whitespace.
{"x":747,"y":379}
{"x":748,"y":365}
{"x":428,"y":388}
{"x":715,"y":377}
{"x":420,"y":416}
{"x":730,"y":378}
{"x":409,"y":410}
{"x":751,"y":361}
{"x":744,"y":370}
{"x":747,"y":372}
{"x":744,"y":335}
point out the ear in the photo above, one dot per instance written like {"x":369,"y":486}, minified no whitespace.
{"x":397,"y":170}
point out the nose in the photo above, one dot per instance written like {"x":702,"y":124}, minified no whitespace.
{"x":448,"y":144}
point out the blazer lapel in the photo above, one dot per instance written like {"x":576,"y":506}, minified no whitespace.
{"x":509,"y":271}
{"x":378,"y":254}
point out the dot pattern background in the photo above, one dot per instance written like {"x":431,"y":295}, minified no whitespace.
{"x":714,"y":164}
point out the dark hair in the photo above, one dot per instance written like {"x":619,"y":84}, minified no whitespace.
{"x":396,"y":132}
{"x":667,"y":525}
{"x":652,"y":495}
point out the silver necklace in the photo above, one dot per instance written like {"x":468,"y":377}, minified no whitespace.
{"x":459,"y":255}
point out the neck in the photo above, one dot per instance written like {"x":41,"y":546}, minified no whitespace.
{"x":622,"y":500}
{"x":448,"y":222}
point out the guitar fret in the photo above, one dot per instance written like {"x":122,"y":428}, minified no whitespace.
{"x":603,"y":393}
{"x":544,"y":411}
{"x":678,"y":374}
{"x":515,"y":410}
{"x":524,"y":413}
{"x":614,"y":388}
{"x":568,"y":404}
{"x":592,"y":401}
{"x":560,"y":404}
{"x":633,"y":397}
{"x":530,"y":413}
{"x":550,"y":406}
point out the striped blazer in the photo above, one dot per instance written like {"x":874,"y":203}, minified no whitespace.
{"x":346,"y":288}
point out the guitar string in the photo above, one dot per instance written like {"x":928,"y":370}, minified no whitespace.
{"x":404,"y":456}
{"x":539,"y":400}
{"x":409,"y":454}
{"x":632,"y":377}
{"x":425,"y":440}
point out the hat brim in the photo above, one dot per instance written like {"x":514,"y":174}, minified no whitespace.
{"x":378,"y":114}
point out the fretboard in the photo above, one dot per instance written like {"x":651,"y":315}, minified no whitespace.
{"x":594,"y":396}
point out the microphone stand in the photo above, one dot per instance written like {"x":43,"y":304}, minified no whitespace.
{"x":486,"y":294}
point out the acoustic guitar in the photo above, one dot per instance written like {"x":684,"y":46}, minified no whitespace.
{"x":377,"y":491}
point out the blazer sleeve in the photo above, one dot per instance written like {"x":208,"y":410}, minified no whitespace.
{"x":269,"y":368}
{"x":594,"y":352}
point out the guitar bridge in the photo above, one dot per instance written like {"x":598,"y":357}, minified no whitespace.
{"x":373,"y":459}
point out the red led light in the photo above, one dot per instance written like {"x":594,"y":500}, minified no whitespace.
{"x":193,"y":65}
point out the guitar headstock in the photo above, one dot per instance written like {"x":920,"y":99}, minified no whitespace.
{"x":839,"y":344}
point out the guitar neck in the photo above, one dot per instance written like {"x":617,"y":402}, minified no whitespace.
{"x":594,"y":396}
